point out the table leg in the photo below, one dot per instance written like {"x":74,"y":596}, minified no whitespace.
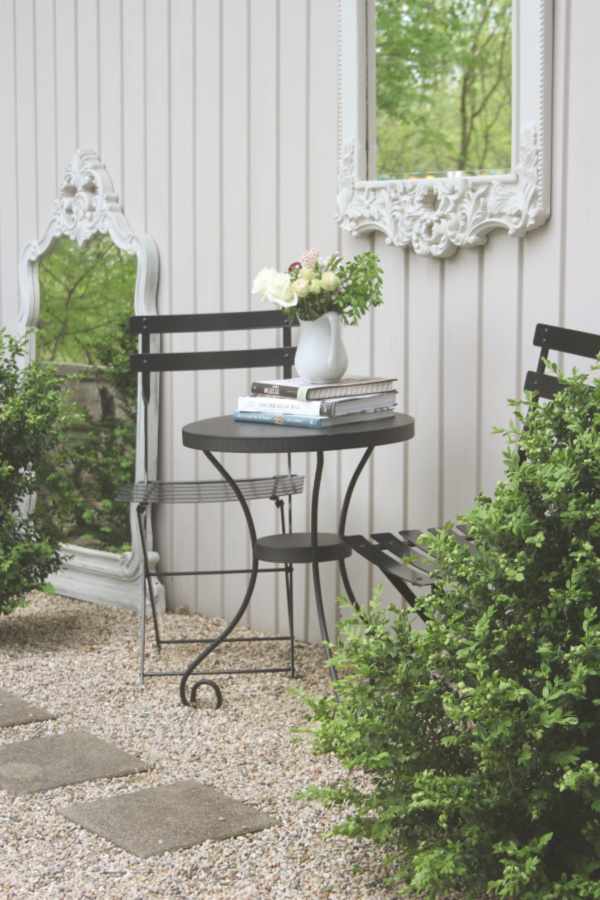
{"x":342,"y":525}
{"x":244,"y":605}
{"x":314,"y":530}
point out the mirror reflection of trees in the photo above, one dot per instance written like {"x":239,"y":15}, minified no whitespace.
{"x":86,"y":299}
{"x":444,"y":87}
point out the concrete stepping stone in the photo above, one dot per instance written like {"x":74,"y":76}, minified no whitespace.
{"x":14,"y":711}
{"x":57,"y":760}
{"x":170,"y":817}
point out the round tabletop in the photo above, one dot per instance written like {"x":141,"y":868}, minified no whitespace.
{"x":226,"y":435}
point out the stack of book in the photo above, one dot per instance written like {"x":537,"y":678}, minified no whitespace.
{"x":292,"y":401}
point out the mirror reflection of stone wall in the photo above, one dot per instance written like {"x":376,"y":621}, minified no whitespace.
{"x":86,"y":299}
{"x":444,"y":87}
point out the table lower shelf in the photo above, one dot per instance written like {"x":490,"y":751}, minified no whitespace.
{"x":297,"y":547}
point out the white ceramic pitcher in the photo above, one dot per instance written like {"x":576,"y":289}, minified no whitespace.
{"x":321,"y":356}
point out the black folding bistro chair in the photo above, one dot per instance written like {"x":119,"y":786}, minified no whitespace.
{"x":400,"y":556}
{"x":279,"y":356}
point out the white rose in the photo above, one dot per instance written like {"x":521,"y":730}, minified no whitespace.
{"x":280,"y":291}
{"x":263,"y":281}
{"x":279,"y":302}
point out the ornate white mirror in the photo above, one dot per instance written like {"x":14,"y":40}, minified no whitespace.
{"x":437,"y":215}
{"x":79,"y":284}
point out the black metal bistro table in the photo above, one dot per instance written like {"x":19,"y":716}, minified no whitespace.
{"x":224,"y":435}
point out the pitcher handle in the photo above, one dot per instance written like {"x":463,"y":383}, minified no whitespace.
{"x":336,"y":347}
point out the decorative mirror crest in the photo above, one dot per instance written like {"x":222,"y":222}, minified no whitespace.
{"x":87,"y":209}
{"x":436,"y":216}
{"x":86,"y":194}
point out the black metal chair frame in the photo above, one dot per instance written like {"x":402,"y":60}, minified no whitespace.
{"x":401,"y":557}
{"x":145,"y":494}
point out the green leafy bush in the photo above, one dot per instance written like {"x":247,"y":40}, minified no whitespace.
{"x":34,"y":418}
{"x":481,"y":731}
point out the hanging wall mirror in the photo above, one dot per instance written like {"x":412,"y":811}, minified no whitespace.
{"x":444,"y":120}
{"x":80,"y":283}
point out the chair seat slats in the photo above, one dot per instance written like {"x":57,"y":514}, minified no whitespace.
{"x":211,"y":491}
{"x":404,"y":550}
{"x":396,"y":571}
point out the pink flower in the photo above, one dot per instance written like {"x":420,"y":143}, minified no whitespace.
{"x":308,"y":259}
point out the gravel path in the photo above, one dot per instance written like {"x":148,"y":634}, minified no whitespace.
{"x":79,"y":661}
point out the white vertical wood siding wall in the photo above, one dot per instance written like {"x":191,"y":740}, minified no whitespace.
{"x":217,"y":121}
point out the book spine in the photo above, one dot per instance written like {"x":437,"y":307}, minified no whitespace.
{"x":274,"y":390}
{"x":282,"y":405}
{"x":277,"y":419}
{"x":328,"y":407}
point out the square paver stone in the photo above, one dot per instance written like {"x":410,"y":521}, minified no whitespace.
{"x":14,"y":711}
{"x":57,"y":760}
{"x":170,"y":817}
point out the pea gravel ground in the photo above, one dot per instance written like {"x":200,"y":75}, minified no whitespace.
{"x":79,"y":660}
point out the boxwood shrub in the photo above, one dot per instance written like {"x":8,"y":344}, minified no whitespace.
{"x":481,"y":731}
{"x":34,"y":419}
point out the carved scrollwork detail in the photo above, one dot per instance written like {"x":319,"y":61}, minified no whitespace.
{"x":86,"y":195}
{"x":437,"y":216}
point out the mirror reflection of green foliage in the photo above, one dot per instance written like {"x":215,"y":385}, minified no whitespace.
{"x":83,"y":292}
{"x":444,"y":85}
{"x":86,"y":298}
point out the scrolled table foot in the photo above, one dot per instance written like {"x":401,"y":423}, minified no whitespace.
{"x":194,"y":691}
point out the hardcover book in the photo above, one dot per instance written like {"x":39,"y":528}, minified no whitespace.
{"x":337,"y":406}
{"x":311,"y":421}
{"x":352,"y":385}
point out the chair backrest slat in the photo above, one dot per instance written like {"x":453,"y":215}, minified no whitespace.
{"x":566,"y":340}
{"x":213,"y":359}
{"x":553,"y":339}
{"x":206,"y":322}
{"x":545,"y":386}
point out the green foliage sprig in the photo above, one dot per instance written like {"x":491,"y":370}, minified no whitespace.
{"x":34,"y":419}
{"x":481,"y":732}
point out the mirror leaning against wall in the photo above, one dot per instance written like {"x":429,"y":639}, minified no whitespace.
{"x":79,"y":285}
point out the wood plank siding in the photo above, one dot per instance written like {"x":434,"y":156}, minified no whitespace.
{"x":218,"y":123}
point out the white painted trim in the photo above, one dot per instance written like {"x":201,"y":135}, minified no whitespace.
{"x":86,"y":208}
{"x":437,"y":216}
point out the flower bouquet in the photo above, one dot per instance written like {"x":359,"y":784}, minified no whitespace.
{"x":315,"y":286}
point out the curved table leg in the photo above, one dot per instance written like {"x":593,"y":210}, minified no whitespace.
{"x":244,"y":605}
{"x":342,"y":525}
{"x":314,"y":516}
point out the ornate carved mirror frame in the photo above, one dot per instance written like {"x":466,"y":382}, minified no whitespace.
{"x":437,"y":216}
{"x":87,"y":208}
